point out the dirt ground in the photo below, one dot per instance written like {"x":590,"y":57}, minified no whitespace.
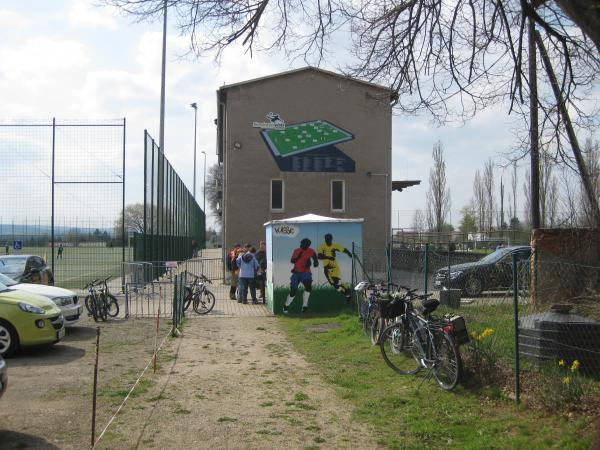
{"x":227,"y":383}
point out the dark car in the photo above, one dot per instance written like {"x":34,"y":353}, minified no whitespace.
{"x":26,"y":269}
{"x":491,"y":273}
{"x":3,"y":376}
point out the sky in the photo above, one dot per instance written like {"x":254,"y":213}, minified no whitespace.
{"x":70,"y":59}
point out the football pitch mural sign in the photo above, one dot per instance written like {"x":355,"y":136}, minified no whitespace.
{"x":310,"y":263}
{"x":306,"y":147}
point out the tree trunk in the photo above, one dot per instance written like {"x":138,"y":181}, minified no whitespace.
{"x":583,"y":172}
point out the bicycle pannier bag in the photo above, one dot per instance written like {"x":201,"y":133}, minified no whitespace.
{"x":460,"y":329}
{"x":389,"y":309}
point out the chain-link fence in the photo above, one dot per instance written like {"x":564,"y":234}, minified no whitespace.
{"x":551,"y":304}
{"x":63,"y":182}
{"x":173,"y":222}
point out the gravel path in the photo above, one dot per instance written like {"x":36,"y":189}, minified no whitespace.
{"x":236,"y":383}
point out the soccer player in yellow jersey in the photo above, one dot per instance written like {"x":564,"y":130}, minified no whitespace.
{"x":327,"y":252}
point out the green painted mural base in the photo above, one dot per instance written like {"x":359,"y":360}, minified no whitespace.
{"x":323,"y":299}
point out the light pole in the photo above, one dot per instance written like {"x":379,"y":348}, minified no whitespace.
{"x":204,"y":186}
{"x":161,"y":138}
{"x":195,"y":106}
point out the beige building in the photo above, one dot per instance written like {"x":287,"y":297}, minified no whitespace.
{"x":304,"y":141}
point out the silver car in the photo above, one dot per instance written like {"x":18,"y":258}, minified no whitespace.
{"x":66,"y":300}
{"x":3,"y":376}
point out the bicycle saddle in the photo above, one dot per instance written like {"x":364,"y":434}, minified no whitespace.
{"x":429,"y":305}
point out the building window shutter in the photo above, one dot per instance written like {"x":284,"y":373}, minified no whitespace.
{"x":277,"y":195}
{"x":337,"y":195}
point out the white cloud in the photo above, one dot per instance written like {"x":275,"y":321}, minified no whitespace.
{"x":10,"y":20}
{"x":84,"y":14}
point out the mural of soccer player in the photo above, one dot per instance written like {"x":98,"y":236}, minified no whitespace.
{"x":327,"y":252}
{"x":301,"y":259}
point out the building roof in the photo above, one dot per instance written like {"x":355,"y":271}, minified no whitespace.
{"x":307,"y":68}
{"x":400,"y":185}
{"x":307,"y":218}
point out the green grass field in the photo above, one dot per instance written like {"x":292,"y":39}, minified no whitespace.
{"x":303,"y":137}
{"x":410,"y":412}
{"x":80,"y":265}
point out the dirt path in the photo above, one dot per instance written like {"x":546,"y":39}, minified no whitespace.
{"x":236,"y":383}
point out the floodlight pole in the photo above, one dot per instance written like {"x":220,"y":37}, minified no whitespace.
{"x":161,"y":139}
{"x":204,"y":186}
{"x":195,"y":106}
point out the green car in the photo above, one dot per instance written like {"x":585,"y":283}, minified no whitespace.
{"x":27,"y":319}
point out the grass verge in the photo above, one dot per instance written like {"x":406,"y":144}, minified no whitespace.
{"x":411,"y":412}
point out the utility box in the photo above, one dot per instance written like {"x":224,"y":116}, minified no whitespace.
{"x":309,"y":239}
{"x":450,"y":297}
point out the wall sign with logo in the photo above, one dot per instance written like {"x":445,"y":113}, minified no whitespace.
{"x":307,"y":146}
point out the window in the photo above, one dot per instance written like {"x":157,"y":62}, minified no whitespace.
{"x":276,"y":195}
{"x":337,"y":195}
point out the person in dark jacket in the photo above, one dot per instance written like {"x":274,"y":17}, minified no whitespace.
{"x":248,"y":267}
{"x":261,"y":275}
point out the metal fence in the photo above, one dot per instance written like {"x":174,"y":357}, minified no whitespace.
{"x":534,"y":323}
{"x":63,"y":185}
{"x":174,"y":223}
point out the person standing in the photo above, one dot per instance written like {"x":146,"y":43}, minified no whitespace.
{"x":233,"y":269}
{"x":248,"y":266}
{"x":333,"y":274}
{"x":261,"y":276}
{"x":60,"y":251}
{"x":301,"y":259}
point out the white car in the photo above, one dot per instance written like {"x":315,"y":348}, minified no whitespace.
{"x":66,"y":300}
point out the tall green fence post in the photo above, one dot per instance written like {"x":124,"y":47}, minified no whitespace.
{"x":515,"y":286}
{"x":426,"y":265}
{"x":449,"y":267}
{"x":388,"y":261}
{"x":353,"y":278}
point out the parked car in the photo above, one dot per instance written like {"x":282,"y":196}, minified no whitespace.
{"x":493,"y":272}
{"x":3,"y":376}
{"x":66,"y":300}
{"x":26,"y":269}
{"x":27,"y":319}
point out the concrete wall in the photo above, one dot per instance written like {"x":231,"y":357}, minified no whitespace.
{"x":308,"y":95}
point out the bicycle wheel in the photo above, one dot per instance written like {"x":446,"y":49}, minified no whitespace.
{"x":447,"y":368}
{"x":204,"y":302}
{"x":371,"y":316}
{"x":399,"y":350}
{"x":101,"y":308}
{"x":188,"y":298}
{"x":112,"y":305}
{"x":376,"y":328}
{"x":90,"y":304}
{"x":87,"y":302}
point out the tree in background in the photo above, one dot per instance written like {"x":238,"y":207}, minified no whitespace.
{"x":438,"y":196}
{"x":214,"y":191}
{"x":488,"y":190}
{"x":468,"y":221}
{"x":134,"y":221}
{"x":512,"y":200}
{"x":592,"y":157}
{"x":479,"y":201}
{"x":419,"y":224}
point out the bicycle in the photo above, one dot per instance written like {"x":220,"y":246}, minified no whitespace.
{"x":199,"y":296}
{"x":95,"y":306}
{"x":112,"y":305}
{"x":371,"y":294}
{"x":415,"y":342}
